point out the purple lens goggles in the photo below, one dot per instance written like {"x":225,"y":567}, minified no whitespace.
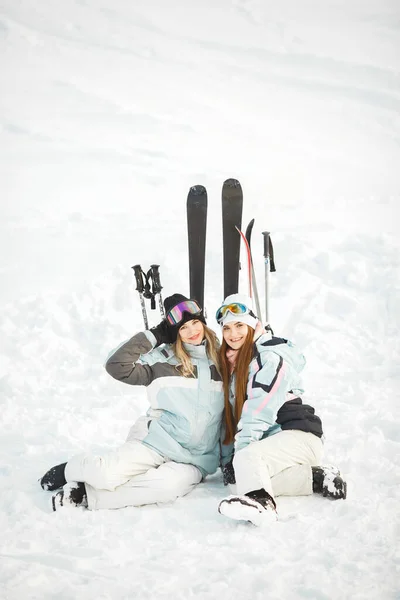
{"x":175,"y":315}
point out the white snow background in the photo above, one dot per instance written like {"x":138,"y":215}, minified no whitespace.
{"x":109,"y":112}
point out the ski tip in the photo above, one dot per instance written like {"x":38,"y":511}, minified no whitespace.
{"x":197,"y":190}
{"x":231,"y":183}
{"x":249,"y":230}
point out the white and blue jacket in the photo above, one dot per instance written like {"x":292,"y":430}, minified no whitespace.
{"x":183,"y":422}
{"x":273,"y":400}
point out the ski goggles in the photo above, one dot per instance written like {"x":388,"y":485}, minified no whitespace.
{"x":235,"y":308}
{"x":175,"y":315}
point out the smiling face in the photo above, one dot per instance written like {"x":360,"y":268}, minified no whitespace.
{"x":235,"y":334}
{"x":192,"y":332}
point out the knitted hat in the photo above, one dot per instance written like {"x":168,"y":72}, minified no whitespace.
{"x":172,"y":301}
{"x":248,"y":318}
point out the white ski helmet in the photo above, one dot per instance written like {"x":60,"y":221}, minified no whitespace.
{"x":248,"y":317}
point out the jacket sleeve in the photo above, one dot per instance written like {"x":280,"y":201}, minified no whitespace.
{"x":123,"y":364}
{"x":266,"y":392}
{"x":226,"y":450}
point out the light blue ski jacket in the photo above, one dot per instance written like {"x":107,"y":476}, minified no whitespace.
{"x":183,"y":422}
{"x":274,"y":379}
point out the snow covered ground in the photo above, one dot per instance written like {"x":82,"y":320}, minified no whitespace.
{"x":109,"y":112}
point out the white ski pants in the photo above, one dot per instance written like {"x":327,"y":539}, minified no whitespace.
{"x":281,"y":464}
{"x":131,"y":475}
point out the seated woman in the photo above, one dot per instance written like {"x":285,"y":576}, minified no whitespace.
{"x":273,"y":444}
{"x":176,"y":444}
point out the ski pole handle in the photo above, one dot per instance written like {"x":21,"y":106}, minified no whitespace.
{"x":157,"y":287}
{"x":266,"y":244}
{"x":149,"y":293}
{"x":140,"y":287}
{"x":271,"y":256}
{"x":269,"y":251}
{"x":155,"y":274}
{"x":139,"y":278}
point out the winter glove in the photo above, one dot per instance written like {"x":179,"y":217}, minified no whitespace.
{"x":163,"y":333}
{"x":228,"y":474}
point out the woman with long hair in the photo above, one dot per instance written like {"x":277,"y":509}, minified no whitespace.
{"x":177,"y":443}
{"x":272,"y":444}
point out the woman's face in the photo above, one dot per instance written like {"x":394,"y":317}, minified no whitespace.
{"x":235,"y":334}
{"x":192,"y":332}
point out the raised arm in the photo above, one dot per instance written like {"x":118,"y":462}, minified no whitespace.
{"x":123,"y":363}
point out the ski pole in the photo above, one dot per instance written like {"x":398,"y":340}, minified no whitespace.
{"x":140,"y":288}
{"x":157,"y":287}
{"x":271,"y":257}
{"x":267,"y":271}
{"x":147,"y":290}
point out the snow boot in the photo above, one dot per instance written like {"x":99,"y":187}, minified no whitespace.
{"x":258,"y":507}
{"x":328,"y":482}
{"x":54,"y":478}
{"x":72,"y":494}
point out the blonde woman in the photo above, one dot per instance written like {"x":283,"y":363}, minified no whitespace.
{"x":176,"y":444}
{"x":272,"y":445}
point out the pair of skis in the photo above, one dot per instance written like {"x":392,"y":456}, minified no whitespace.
{"x":232,"y":207}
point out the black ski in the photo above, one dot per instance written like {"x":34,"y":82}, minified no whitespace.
{"x":197,"y":225}
{"x":232,"y":206}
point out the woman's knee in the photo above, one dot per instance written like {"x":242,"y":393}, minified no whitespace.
{"x":98,"y":473}
{"x":178,"y":479}
{"x":246,"y":455}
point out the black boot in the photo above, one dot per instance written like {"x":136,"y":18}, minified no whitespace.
{"x":54,"y":478}
{"x":328,"y":482}
{"x":263,"y":498}
{"x":73,"y":494}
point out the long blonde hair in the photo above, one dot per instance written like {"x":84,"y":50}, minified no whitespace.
{"x":241,"y":371}
{"x":186,"y":367}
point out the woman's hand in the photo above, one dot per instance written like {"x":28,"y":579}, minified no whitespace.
{"x":228,"y":474}
{"x":162,"y":333}
{"x":259,"y":331}
{"x":231,"y":355}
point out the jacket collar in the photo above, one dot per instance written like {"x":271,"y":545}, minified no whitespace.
{"x":196,"y":351}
